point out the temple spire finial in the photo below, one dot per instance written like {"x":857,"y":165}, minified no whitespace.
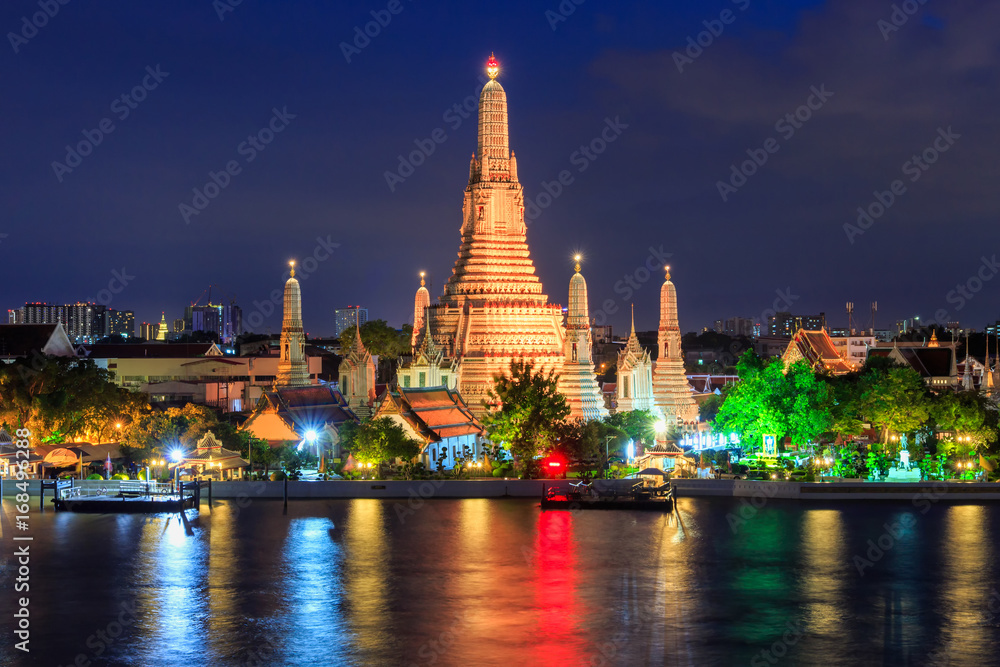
{"x":492,"y":66}
{"x":633,"y":319}
{"x":421,"y":278}
{"x":667,"y":269}
{"x":291,"y":263}
{"x":576,"y":258}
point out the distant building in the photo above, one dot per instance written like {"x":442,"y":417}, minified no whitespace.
{"x":15,"y":316}
{"x":736,"y":326}
{"x":785,"y":324}
{"x":224,"y":321}
{"x":818,"y":350}
{"x":349,"y":317}
{"x":121,"y":323}
{"x":83,"y":322}
{"x":148,"y":330}
{"x":602,"y":334}
{"x":178,"y":326}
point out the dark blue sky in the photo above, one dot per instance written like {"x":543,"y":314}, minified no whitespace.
{"x":655,"y":186}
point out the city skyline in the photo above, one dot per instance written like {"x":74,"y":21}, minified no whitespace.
{"x":312,"y":190}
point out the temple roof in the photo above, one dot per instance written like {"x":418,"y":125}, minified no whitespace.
{"x":434,"y":412}
{"x":818,"y":350}
{"x":24,"y":340}
{"x":309,"y":406}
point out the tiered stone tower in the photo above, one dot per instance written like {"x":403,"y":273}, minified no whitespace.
{"x":357,"y":373}
{"x":421,"y":302}
{"x":292,"y":368}
{"x":635,"y":375}
{"x":493,"y":309}
{"x":577,"y":381}
{"x":671,"y":390}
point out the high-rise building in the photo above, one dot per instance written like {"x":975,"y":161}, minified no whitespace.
{"x":355,"y":316}
{"x":178,"y":325}
{"x":121,"y":323}
{"x":225,"y":321}
{"x":148,"y":330}
{"x":83,"y":322}
{"x":735,"y":326}
{"x":15,"y":316}
{"x":780,"y":324}
{"x":292,"y":369}
{"x":493,"y":309}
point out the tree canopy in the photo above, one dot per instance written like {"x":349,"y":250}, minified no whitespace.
{"x":528,"y":412}
{"x":381,"y":440}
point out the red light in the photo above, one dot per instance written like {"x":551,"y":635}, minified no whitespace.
{"x":554,"y":464}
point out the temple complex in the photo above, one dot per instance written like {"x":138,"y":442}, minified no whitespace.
{"x":292,"y":368}
{"x":493,"y":309}
{"x":671,"y":391}
{"x":577,"y":381}
{"x":635,"y":375}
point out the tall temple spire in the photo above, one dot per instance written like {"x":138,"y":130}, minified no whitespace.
{"x":421,"y":302}
{"x":161,"y":332}
{"x":577,"y":381}
{"x":493,"y":308}
{"x":633,"y":319}
{"x":292,"y":368}
{"x":671,"y":390}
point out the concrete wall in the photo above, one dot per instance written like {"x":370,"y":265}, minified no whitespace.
{"x":935,"y":490}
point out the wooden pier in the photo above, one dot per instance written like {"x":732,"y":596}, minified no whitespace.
{"x":131,"y":498}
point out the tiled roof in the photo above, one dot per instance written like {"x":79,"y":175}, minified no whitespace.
{"x":310,"y":406}
{"x":436,"y":412}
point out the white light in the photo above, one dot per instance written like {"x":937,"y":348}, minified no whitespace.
{"x":176,"y":455}
{"x":311,"y":435}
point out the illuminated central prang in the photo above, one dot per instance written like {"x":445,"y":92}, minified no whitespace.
{"x":492,"y":67}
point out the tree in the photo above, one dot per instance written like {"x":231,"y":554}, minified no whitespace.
{"x":892,"y":397}
{"x":968,"y":414}
{"x":528,"y":413}
{"x":776,"y":400}
{"x":384,"y":342}
{"x":383,"y":440}
{"x":637,"y":425}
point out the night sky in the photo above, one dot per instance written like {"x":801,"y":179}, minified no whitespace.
{"x":894,"y":92}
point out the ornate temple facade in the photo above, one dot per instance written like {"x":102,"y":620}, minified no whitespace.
{"x":493,"y":309}
{"x":671,"y":391}
{"x":577,"y":381}
{"x":357,"y":374}
{"x":428,"y":367}
{"x":292,"y":368}
{"x":635,"y":376}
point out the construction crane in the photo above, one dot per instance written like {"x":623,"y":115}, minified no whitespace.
{"x":208,"y":291}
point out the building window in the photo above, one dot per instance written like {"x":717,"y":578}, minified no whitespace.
{"x":422,"y":380}
{"x":444,"y":380}
{"x":406,"y":380}
{"x":625,"y":387}
{"x":574,"y":352}
{"x":343,"y":384}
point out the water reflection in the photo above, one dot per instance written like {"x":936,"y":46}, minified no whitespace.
{"x":966,"y":581}
{"x":824,"y":555}
{"x":555,"y":579}
{"x":366,"y":567}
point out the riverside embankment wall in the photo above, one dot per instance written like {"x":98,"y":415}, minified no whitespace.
{"x":933,"y":490}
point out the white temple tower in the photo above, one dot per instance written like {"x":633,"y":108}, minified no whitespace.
{"x":671,"y":390}
{"x":357,"y":373}
{"x":493,"y":309}
{"x":292,"y":368}
{"x":635,"y":376}
{"x":577,"y":381}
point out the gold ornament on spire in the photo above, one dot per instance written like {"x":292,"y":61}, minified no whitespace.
{"x":576,"y":258}
{"x":492,"y":66}
{"x":291,"y":263}
{"x":667,"y":269}
{"x":421,"y":278}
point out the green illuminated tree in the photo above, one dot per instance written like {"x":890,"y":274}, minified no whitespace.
{"x":529,"y":413}
{"x":382,"y":440}
{"x":893,"y":398}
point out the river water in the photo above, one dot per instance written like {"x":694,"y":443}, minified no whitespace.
{"x":499,"y":582}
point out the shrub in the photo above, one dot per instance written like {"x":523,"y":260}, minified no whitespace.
{"x":120,"y":476}
{"x":94,"y":476}
{"x":278,"y":476}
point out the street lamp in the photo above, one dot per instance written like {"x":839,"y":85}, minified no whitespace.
{"x":176,"y":455}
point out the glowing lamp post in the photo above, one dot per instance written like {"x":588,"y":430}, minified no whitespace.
{"x":176,"y":455}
